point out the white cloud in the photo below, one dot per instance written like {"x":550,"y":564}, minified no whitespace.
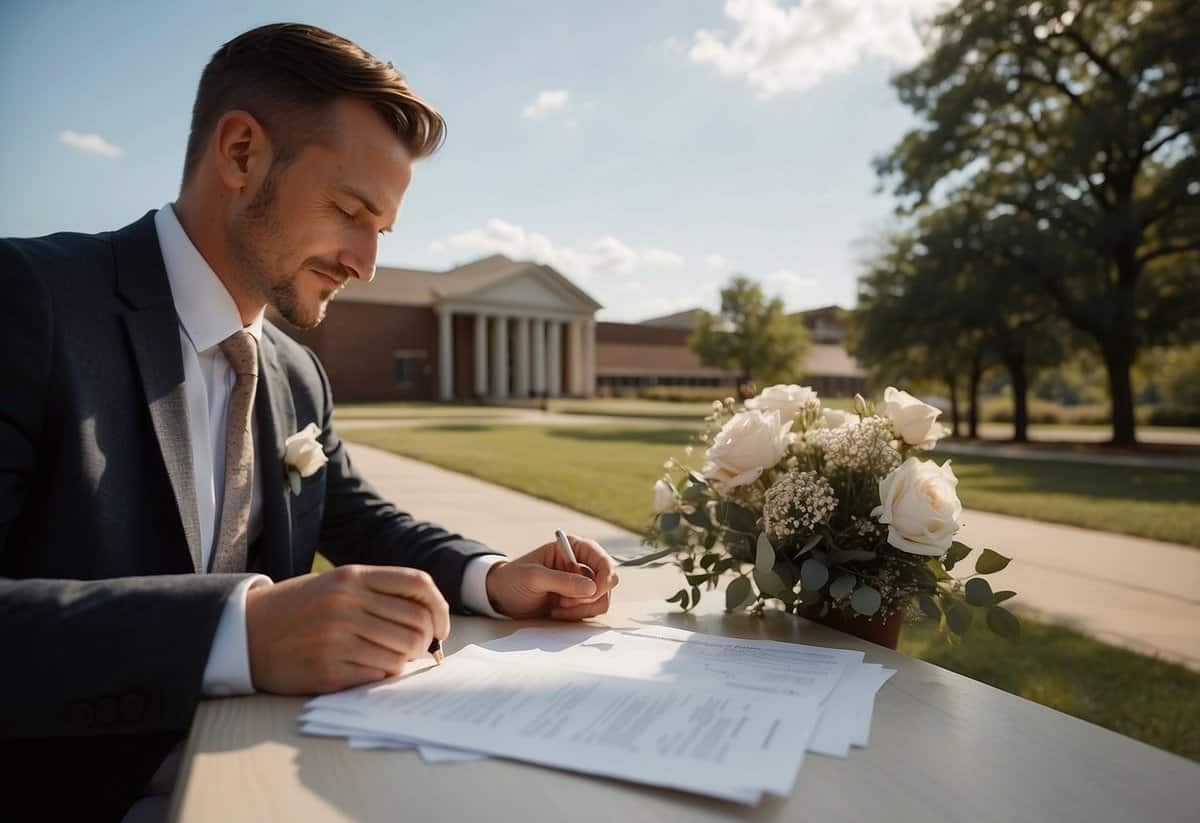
{"x":547,"y":100}
{"x":91,"y":143}
{"x":716,"y":262}
{"x":663,"y":259}
{"x":606,"y":254}
{"x":795,"y":289}
{"x":779,"y":49}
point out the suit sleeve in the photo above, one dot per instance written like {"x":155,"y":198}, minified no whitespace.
{"x":81,"y":657}
{"x":361,"y":527}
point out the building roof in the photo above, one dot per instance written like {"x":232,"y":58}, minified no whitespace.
{"x":417,"y":287}
{"x":826,"y":360}
{"x":679,"y":320}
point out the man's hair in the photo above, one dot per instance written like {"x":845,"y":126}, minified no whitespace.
{"x":287,"y":75}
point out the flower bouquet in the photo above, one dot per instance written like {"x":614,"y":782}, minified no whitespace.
{"x":832,"y":514}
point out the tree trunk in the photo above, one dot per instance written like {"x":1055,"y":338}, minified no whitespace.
{"x":1020,"y":393}
{"x":975,"y":378}
{"x":952,"y":383}
{"x":1118,"y":362}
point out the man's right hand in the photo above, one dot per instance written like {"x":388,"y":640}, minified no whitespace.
{"x":356,"y":624}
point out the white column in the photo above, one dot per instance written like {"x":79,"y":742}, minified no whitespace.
{"x":554,"y":361}
{"x":500,"y":357}
{"x":574,"y":373}
{"x":481,"y":359}
{"x":589,"y":358}
{"x":539,"y":356}
{"x":445,"y":355}
{"x":521,"y":377}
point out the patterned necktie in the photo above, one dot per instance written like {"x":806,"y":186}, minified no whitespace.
{"x":241,"y":350}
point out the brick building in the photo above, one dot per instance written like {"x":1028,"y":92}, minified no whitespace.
{"x":498,"y":329}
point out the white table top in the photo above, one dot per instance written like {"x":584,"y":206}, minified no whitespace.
{"x":943,"y":748}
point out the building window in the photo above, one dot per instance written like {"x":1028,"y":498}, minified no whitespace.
{"x":408,"y":366}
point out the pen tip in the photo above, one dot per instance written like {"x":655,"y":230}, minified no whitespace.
{"x":437,"y":657}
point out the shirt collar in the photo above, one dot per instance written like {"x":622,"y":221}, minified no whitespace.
{"x":205,"y":308}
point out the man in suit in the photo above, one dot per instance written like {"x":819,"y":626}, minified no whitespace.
{"x":155,"y":546}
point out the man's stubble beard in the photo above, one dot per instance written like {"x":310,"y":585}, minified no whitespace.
{"x":255,"y":231}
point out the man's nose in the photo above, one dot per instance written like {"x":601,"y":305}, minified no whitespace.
{"x":359,"y":258}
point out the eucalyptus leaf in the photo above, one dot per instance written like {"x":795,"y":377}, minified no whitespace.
{"x":687,"y":564}
{"x":696,"y":579}
{"x":769,"y":583}
{"x":842,"y":586}
{"x":865,"y":600}
{"x":959,"y":617}
{"x":811,"y":543}
{"x":935,"y":568}
{"x":669,"y":521}
{"x":814,"y":574}
{"x":738,"y":593}
{"x":978,"y":591}
{"x":1000,"y":597}
{"x":735,"y":517}
{"x":294,"y":478}
{"x":929,"y":605}
{"x":697,"y":517}
{"x":695,"y":596}
{"x":679,"y":597}
{"x":647,"y":558}
{"x":954,"y":554}
{"x":695,"y":494}
{"x":707,"y":561}
{"x":850,"y":556}
{"x":1004,"y":623}
{"x":990,"y":562}
{"x":764,"y":556}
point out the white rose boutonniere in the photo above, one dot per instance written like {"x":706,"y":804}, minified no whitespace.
{"x":303,"y":455}
{"x":914,"y":422}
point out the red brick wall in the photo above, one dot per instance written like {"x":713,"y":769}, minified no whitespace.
{"x":357,"y":343}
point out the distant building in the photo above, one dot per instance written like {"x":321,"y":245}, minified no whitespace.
{"x":499,"y":329}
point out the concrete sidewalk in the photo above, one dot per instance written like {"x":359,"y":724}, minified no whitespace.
{"x":1141,"y":594}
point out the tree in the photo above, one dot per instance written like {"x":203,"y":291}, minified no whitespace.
{"x":751,"y":334}
{"x":1082,"y":120}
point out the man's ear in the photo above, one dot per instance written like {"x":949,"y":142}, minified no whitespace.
{"x":243,"y":151}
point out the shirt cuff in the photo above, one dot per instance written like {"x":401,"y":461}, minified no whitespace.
{"x":227,"y":671}
{"x":474,"y":585}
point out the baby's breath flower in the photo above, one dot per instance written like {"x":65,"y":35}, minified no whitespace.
{"x":867,"y":446}
{"x":796,"y":503}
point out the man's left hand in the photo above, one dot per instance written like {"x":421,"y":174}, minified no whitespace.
{"x":544,"y":583}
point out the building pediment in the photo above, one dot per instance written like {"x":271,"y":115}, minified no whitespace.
{"x":531,"y":288}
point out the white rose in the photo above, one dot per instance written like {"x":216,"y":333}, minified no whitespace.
{"x":302,"y":451}
{"x":914,"y":422}
{"x":748,"y":444}
{"x":833,"y":419}
{"x":920,"y":507}
{"x":788,"y":400}
{"x":665,"y":499}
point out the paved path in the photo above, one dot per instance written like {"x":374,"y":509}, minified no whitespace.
{"x":1141,"y":594}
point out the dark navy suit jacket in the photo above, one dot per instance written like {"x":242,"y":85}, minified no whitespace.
{"x":105,"y":625}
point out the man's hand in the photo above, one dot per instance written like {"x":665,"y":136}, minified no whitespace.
{"x":544,"y":583}
{"x":356,"y":624}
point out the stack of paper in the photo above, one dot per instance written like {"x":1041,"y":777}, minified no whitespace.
{"x":715,"y":715}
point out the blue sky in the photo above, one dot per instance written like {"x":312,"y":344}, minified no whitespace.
{"x":645,"y":149}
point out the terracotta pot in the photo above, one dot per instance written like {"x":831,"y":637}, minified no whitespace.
{"x":883,"y":631}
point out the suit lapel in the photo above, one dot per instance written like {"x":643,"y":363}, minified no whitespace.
{"x":153,"y":329}
{"x":276,"y":422}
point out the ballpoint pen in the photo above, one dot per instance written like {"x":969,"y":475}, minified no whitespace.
{"x":435,"y":648}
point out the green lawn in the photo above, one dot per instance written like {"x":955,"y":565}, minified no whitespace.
{"x":691,"y":412}
{"x":608,"y":470}
{"x":432,"y":411}
{"x":1146,"y":699}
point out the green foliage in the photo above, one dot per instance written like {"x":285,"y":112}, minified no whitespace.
{"x":1073,"y":134}
{"x":751,"y":334}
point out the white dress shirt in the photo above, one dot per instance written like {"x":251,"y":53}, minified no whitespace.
{"x":207,"y":315}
